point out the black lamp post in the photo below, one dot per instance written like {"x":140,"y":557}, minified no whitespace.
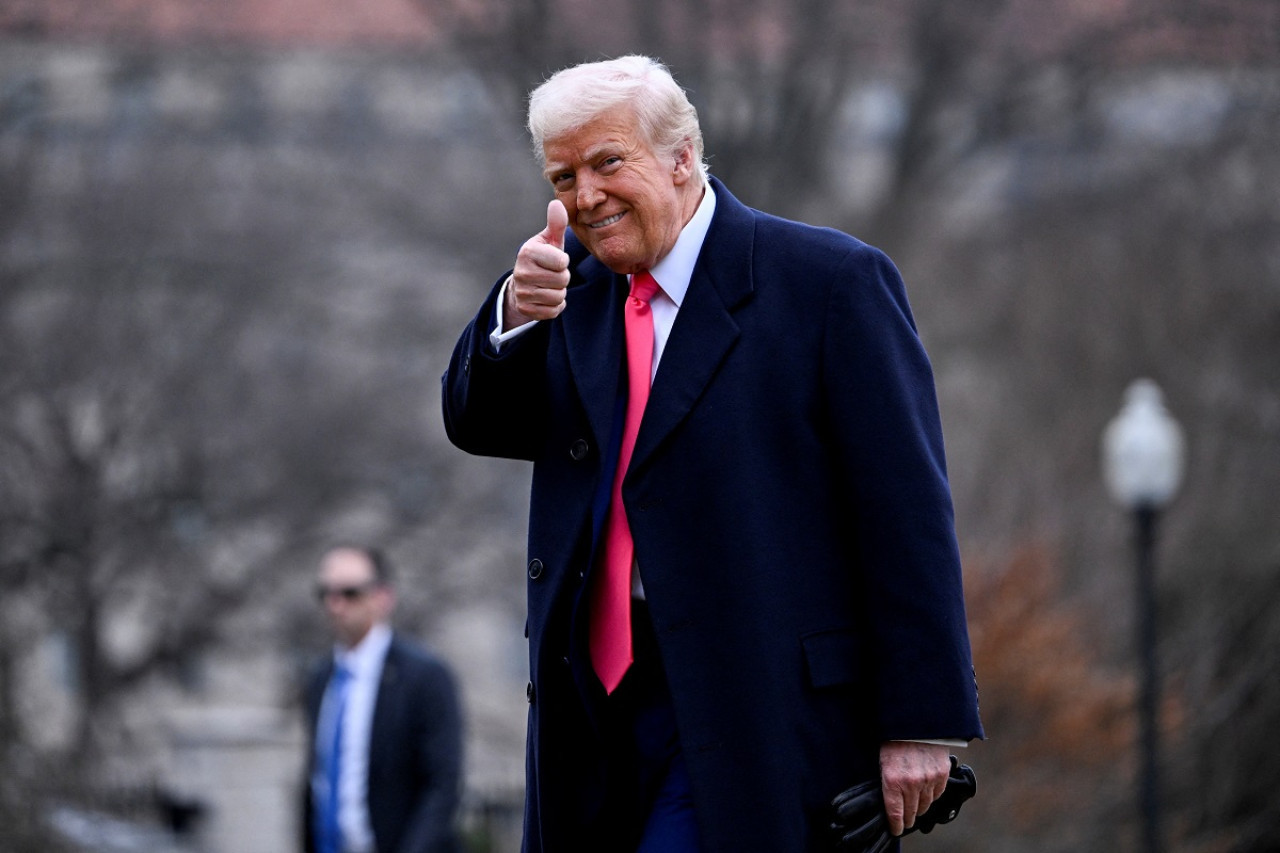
{"x":1142,"y":465}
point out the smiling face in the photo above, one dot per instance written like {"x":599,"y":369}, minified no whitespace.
{"x":626,"y":203}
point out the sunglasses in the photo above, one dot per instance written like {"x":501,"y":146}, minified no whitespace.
{"x":346,"y":593}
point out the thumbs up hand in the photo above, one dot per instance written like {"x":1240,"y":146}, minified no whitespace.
{"x":541,"y":277}
{"x":557,"y":222}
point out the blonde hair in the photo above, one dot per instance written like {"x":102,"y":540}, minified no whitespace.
{"x":573,"y":97}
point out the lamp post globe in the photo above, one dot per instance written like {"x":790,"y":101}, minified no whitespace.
{"x":1143,"y":451}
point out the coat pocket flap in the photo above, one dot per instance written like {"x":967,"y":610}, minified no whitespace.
{"x":833,"y":657}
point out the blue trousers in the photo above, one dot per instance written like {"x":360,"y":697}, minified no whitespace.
{"x":652,"y":783}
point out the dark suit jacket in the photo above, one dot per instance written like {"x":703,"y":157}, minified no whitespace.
{"x":792,"y":523}
{"x":415,"y":752}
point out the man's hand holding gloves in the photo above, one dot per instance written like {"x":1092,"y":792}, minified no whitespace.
{"x":859,"y":823}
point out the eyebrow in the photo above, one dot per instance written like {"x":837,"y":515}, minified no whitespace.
{"x":555,"y":167}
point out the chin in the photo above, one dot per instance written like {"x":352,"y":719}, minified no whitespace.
{"x":620,"y":260}
{"x":624,"y":266}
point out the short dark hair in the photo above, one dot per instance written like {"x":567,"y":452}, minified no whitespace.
{"x":382,"y":569}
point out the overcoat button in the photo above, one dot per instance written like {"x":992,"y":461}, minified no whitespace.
{"x":528,"y":692}
{"x":466,"y":365}
{"x":578,"y":450}
{"x":535,"y":569}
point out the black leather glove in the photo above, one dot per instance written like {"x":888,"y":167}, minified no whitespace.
{"x":860,"y":824}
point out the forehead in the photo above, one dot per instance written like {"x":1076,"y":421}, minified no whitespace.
{"x":609,"y":131}
{"x":346,"y":566}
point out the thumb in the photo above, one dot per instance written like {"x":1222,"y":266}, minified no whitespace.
{"x":557,"y":222}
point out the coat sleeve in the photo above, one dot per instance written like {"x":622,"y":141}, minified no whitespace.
{"x":494,"y":403}
{"x":310,"y":696}
{"x":881,"y":391}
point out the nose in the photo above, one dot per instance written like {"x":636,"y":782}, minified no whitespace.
{"x":589,"y":192}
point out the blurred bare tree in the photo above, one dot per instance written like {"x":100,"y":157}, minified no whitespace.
{"x":177,"y":425}
{"x":773,"y":79}
{"x":218,"y":344}
{"x":134,"y":438}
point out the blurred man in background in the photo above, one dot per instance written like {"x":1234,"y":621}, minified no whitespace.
{"x":385,"y":724}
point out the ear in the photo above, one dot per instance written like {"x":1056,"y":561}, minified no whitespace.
{"x":684,"y":165}
{"x":386,"y":601}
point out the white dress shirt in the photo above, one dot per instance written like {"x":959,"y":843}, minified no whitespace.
{"x":364,"y":661}
{"x":674,"y":272}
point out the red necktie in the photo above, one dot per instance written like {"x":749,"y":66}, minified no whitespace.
{"x":611,"y":652}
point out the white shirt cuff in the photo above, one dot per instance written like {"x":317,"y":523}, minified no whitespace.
{"x":499,"y":336}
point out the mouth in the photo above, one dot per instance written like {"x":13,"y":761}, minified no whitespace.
{"x":607,"y":221}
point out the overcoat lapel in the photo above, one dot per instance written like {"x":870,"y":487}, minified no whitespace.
{"x":379,"y":735}
{"x":705,"y":330}
{"x":593,"y":338}
{"x":703,"y":334}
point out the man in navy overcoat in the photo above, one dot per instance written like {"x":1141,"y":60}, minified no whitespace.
{"x":798,"y":613}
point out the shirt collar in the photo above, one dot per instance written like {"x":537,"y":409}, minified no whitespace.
{"x":674,"y":272}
